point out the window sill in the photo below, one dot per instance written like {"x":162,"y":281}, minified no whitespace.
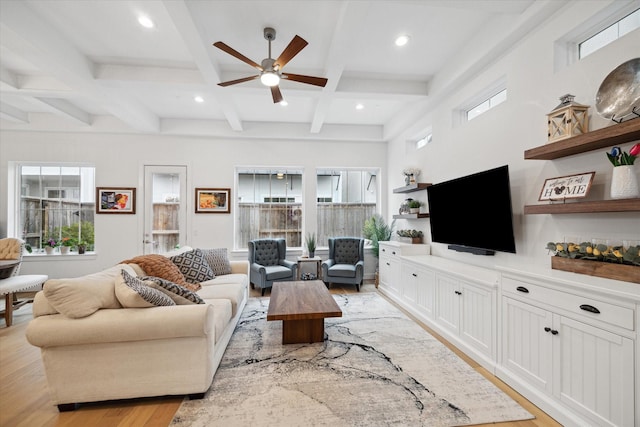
{"x":58,"y":256}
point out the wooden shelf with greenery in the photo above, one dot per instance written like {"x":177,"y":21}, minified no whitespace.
{"x":411,"y":216}
{"x":595,"y":140}
{"x":411,"y":188}
{"x":618,"y":205}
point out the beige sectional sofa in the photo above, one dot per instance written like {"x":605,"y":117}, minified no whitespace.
{"x":100,"y":341}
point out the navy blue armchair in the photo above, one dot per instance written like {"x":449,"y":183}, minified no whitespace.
{"x":268,"y":263}
{"x":346,"y":261}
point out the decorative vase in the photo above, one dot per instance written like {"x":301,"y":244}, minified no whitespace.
{"x":407,"y":179}
{"x":48,"y":250}
{"x":624,"y":184}
{"x":64,"y":249}
{"x":81,"y":249}
{"x":412,"y":179}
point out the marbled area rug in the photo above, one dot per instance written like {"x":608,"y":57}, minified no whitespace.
{"x":377,"y":367}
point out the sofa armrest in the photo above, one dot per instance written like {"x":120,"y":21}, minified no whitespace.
{"x":239,"y":267}
{"x":122,"y":325}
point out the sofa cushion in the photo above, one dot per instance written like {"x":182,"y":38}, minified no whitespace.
{"x":179,"y":294}
{"x":134,"y":293}
{"x":218,"y":260}
{"x":81,"y":296}
{"x":161,"y":266}
{"x":193,"y":266}
{"x":234,"y":292}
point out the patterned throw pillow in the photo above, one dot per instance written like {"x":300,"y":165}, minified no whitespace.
{"x":179,"y":294}
{"x":193,"y":266}
{"x":133,"y":293}
{"x":218,"y":260}
{"x":161,"y":266}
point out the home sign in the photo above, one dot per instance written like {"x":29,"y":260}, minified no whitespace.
{"x":567,"y":187}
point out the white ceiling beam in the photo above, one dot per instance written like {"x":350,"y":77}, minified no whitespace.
{"x":66,"y":109}
{"x":23,"y":30}
{"x":186,"y":26}
{"x":13,"y":114}
{"x":8,"y":79}
{"x":136,"y":73}
{"x":348,"y":24}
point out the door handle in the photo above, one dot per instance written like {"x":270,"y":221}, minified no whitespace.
{"x":149,"y":242}
{"x":522,"y":289}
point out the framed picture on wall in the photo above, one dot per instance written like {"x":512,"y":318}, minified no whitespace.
{"x":115,"y":200}
{"x":213,"y":200}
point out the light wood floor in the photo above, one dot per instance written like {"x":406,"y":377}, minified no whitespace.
{"x":24,"y":400}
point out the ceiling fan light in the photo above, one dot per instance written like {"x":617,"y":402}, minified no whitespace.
{"x":269,"y":78}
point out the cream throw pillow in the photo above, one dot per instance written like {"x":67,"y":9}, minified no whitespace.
{"x":82,"y":296}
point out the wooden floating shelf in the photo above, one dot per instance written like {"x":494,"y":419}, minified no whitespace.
{"x":619,"y":205}
{"x":595,"y":140}
{"x":413,"y":187}
{"x":607,"y":270}
{"x":411,"y":216}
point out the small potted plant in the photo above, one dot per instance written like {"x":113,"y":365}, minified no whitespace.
{"x":414,"y":235}
{"x":82,"y":246}
{"x":311,"y":244}
{"x":50,"y":245}
{"x":414,"y":206}
{"x":66,"y":244}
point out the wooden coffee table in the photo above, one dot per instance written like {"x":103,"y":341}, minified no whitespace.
{"x":302,"y":306}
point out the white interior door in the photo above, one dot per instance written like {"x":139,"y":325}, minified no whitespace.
{"x":165,"y":208}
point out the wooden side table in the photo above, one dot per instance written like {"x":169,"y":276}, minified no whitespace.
{"x":315,"y":259}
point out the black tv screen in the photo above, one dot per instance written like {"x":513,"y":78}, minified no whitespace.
{"x":473,"y":213}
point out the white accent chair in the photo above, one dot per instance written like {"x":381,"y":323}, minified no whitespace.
{"x":11,"y":282}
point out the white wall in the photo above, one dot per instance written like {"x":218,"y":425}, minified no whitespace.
{"x":211,"y":162}
{"x":501,"y":136}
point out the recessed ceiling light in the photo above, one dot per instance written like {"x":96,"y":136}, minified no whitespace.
{"x":359,"y":106}
{"x":198,"y":98}
{"x":145,"y":21}
{"x":284,"y":103}
{"x":402,"y":40}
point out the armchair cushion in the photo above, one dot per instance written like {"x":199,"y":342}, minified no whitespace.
{"x":266,"y":252}
{"x":342,"y":270}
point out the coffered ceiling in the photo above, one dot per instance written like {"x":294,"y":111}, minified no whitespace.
{"x":88,"y":65}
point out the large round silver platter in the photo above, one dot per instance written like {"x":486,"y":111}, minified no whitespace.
{"x":619,"y":93}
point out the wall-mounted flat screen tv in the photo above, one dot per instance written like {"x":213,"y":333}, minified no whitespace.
{"x":473,"y":213}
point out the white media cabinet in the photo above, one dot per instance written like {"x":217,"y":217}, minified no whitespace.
{"x":567,"y":342}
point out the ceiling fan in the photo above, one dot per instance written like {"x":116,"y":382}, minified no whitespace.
{"x":271,"y":69}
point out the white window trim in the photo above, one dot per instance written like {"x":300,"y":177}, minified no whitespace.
{"x":460,"y":113}
{"x":565,"y":49}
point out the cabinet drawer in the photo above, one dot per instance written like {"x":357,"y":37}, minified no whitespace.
{"x":589,"y":307}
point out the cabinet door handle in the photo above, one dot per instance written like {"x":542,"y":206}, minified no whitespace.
{"x":384,"y":250}
{"x":388,"y":264}
{"x":458,"y":293}
{"x":589,"y":308}
{"x":393,"y":253}
{"x":547,"y":329}
{"x":414,"y":274}
{"x":554,"y":332}
{"x":522,"y":289}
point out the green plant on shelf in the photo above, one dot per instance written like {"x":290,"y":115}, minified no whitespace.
{"x":410,"y":233}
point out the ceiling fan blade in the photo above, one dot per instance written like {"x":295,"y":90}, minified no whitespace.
{"x":316,"y":81}
{"x":237,"y":54}
{"x":242,"y":80}
{"x":294,"y":47}
{"x":276,"y":94}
